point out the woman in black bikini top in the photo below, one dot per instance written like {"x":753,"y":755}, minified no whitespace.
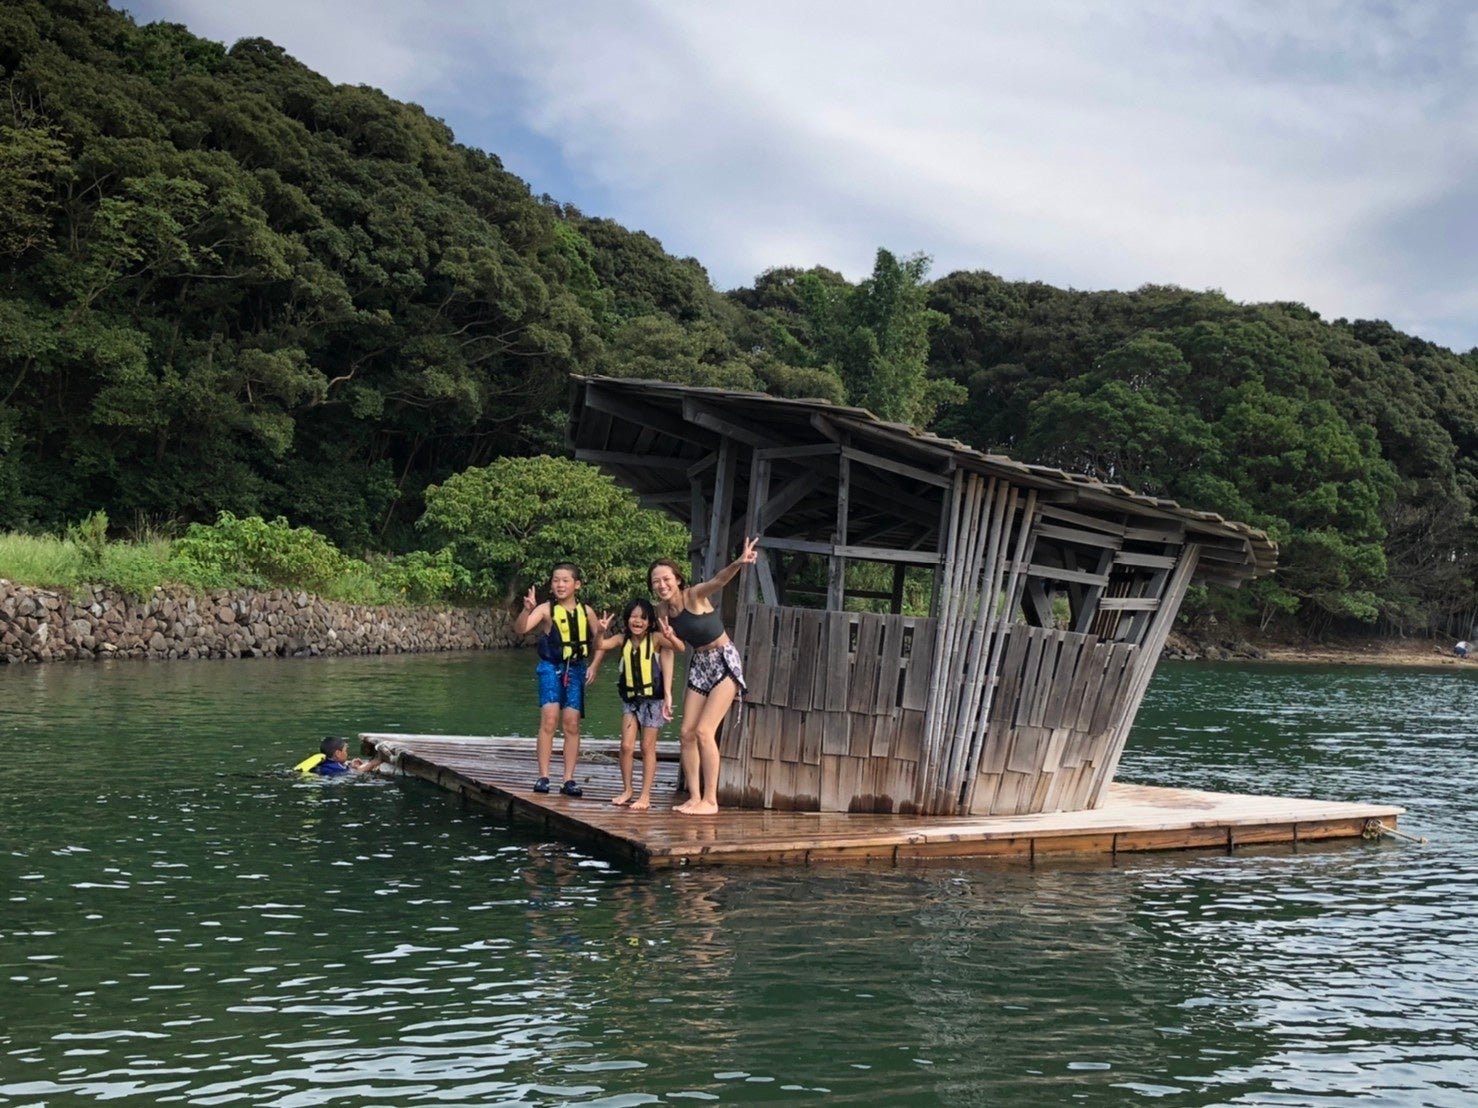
{"x":715,"y":673}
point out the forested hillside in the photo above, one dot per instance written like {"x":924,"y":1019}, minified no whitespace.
{"x":229,"y":284}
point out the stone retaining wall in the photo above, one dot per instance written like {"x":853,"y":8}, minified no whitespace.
{"x":47,"y":625}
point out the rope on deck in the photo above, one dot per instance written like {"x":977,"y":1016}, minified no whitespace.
{"x":1374,"y":829}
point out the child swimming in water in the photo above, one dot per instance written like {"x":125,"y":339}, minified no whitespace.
{"x":332,"y":759}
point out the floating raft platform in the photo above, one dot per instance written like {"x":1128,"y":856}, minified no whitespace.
{"x":498,"y":773}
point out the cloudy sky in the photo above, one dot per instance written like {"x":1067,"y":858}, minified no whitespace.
{"x":1319,"y":152}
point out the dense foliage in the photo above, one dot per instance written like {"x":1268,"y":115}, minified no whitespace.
{"x":512,"y":522}
{"x":229,"y":285}
{"x":231,"y":553}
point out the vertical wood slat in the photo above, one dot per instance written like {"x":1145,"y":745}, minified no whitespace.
{"x":1120,"y":663}
{"x":835,"y":734}
{"x":820,"y":662}
{"x":1093,"y":688}
{"x":885,"y":699}
{"x":904,"y":786}
{"x":910,"y":736}
{"x":884,"y":730}
{"x":1052,"y":646}
{"x":920,"y":666}
{"x":1035,"y":644}
{"x":859,"y":736}
{"x":865,"y":664}
{"x":832,"y":797}
{"x":762,"y":735}
{"x":791,"y":723}
{"x":758,"y":652}
{"x":782,"y":672}
{"x":806,"y":629}
{"x":1059,"y":694}
{"x":1003,"y":710}
{"x":812,"y":731}
{"x":838,"y":662}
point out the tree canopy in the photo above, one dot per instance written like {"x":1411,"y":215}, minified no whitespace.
{"x":230,"y":285}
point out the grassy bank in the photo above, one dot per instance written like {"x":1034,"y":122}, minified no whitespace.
{"x":231,"y":553}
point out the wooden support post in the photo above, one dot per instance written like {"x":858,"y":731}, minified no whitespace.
{"x":758,"y":585}
{"x":716,"y":552}
{"x":836,"y":577}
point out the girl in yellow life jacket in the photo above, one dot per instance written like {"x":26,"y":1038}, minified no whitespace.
{"x":645,"y":685}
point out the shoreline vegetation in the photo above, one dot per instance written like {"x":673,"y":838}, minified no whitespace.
{"x":233,"y":565}
{"x":1349,"y":650}
{"x":230,"y":285}
{"x":41,"y":624}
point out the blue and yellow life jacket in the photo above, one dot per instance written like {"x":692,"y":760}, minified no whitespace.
{"x":562,"y":642}
{"x":638,"y":676}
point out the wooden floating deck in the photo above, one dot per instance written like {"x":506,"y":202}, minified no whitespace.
{"x":498,"y":773}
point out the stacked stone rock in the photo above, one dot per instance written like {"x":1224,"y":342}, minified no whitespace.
{"x":46,"y":625}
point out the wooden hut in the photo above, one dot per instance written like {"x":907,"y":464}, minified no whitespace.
{"x":1049,"y":597}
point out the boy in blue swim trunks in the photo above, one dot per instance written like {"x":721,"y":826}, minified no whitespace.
{"x":569,"y":632}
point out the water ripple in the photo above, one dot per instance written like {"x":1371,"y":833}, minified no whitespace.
{"x":197,"y":927}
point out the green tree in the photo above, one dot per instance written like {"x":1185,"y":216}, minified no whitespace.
{"x":875,"y":337}
{"x":511,"y":522}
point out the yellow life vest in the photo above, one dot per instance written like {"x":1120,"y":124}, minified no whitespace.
{"x":638,"y":680}
{"x":568,"y":639}
{"x":309,"y":764}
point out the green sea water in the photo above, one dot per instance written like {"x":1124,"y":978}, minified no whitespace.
{"x":184,"y":921}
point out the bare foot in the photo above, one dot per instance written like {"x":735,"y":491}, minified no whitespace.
{"x":684,"y":806}
{"x":698,"y":808}
{"x":622,"y":799}
{"x":641,"y":804}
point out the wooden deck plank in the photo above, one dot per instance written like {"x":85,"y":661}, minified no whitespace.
{"x":498,"y":773}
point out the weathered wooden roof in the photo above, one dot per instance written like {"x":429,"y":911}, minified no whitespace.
{"x":649,"y":435}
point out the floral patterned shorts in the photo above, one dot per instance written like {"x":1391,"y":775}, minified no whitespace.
{"x":709,"y":667}
{"x":648,"y":713}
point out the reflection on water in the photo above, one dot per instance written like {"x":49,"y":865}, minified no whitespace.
{"x":185,"y":922}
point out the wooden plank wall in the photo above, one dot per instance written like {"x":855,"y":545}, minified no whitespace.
{"x":834,"y":717}
{"x":1052,"y":724}
{"x":971,"y":712}
{"x":833,"y":720}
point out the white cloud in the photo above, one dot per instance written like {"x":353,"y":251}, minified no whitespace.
{"x":1306,"y":152}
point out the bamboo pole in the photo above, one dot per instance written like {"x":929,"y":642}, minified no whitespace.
{"x":967,"y":571}
{"x":944,"y":606}
{"x":1025,"y":542}
{"x":985,"y":544}
{"x":983,"y":677}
